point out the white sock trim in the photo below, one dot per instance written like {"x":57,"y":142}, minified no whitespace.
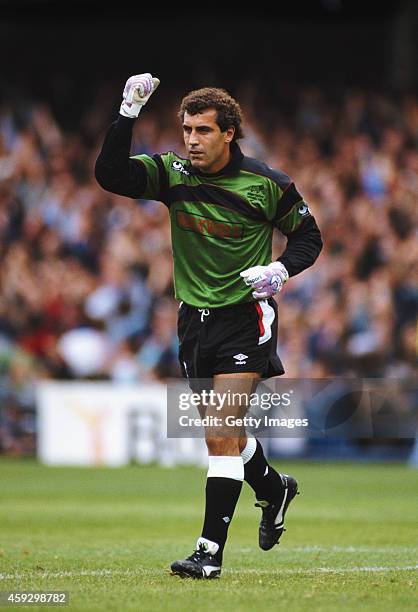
{"x":226,"y":467}
{"x":249,"y":450}
{"x":210,"y":547}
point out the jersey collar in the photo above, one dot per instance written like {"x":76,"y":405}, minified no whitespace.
{"x":232,"y":167}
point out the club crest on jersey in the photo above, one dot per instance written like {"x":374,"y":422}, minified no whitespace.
{"x":178,"y":167}
{"x":256,"y":195}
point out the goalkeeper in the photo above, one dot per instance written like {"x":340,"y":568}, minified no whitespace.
{"x":223,"y":209}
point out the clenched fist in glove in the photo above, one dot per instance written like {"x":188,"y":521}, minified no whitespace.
{"x":266,"y":280}
{"x":138,"y":90}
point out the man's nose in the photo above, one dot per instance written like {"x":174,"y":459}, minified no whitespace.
{"x":193,"y":139}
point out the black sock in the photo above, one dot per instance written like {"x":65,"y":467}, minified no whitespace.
{"x":221,"y":498}
{"x":264,"y":479}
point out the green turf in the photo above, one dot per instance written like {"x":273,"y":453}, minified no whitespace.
{"x":108,"y":535}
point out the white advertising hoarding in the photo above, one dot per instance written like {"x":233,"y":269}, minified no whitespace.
{"x":100,"y":423}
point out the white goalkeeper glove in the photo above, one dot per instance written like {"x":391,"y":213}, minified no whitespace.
{"x":266,"y":280}
{"x":138,"y":89}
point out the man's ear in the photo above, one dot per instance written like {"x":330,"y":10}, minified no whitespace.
{"x":229,"y":134}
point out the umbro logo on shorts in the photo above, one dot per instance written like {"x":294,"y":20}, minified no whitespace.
{"x":240,"y":359}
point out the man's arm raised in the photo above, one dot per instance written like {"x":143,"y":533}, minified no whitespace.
{"x":114,"y":170}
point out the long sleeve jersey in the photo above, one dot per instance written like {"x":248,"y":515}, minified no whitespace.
{"x":221,"y":223}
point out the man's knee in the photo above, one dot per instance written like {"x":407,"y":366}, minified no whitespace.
{"x":223,"y":446}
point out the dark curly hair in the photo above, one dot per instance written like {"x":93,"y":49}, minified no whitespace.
{"x":228,"y":110}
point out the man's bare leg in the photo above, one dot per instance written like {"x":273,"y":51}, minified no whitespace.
{"x":225,"y":474}
{"x":273,"y":491}
{"x":228,"y":449}
{"x":226,"y":469}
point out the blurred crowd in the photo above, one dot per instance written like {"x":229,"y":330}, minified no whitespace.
{"x":86,"y":276}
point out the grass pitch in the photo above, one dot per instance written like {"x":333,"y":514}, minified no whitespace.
{"x":108,"y":537}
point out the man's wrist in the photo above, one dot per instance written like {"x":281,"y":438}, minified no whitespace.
{"x":126,"y":122}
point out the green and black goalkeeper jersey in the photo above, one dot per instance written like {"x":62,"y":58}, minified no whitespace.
{"x":221,"y":223}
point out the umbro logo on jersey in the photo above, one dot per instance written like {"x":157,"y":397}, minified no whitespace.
{"x":178,"y":167}
{"x":240,"y":359}
{"x":304,"y":210}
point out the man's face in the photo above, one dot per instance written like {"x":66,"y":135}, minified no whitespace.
{"x":207,"y":147}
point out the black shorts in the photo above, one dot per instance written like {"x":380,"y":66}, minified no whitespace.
{"x":238,"y":338}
